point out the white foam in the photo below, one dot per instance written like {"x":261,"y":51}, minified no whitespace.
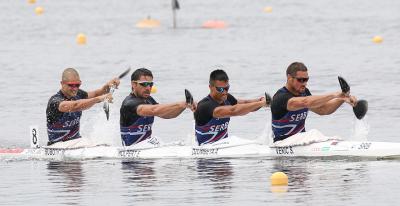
{"x":100,"y":130}
{"x":360,"y":129}
{"x":304,"y":138}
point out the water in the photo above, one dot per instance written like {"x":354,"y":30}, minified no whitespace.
{"x":198,"y":182}
{"x":331,"y":37}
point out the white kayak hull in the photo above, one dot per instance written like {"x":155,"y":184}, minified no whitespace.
{"x":331,"y":148}
{"x":340,"y":148}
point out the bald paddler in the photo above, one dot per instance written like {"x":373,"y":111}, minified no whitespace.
{"x":291,"y":103}
{"x":64,"y":109}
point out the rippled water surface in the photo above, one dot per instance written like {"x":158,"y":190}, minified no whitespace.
{"x":332,"y":37}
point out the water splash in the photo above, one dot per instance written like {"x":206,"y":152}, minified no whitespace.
{"x":266,"y":135}
{"x":101,"y":131}
{"x":190,"y":137}
{"x":360,"y":129}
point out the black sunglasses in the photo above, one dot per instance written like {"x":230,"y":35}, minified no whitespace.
{"x":302,"y":80}
{"x":73,"y":84}
{"x":222,"y":89}
{"x":145,"y":84}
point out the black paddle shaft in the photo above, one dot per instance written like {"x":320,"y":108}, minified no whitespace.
{"x":106,"y":105}
{"x":124,"y":73}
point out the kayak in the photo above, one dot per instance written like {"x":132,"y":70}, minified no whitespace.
{"x":332,"y":148}
{"x":317,"y":147}
{"x":232,"y":147}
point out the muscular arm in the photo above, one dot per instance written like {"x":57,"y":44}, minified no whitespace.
{"x":78,"y":105}
{"x":311,"y":102}
{"x":237,"y":110}
{"x":244,"y":101}
{"x":103,"y":90}
{"x":332,"y":105}
{"x":329,"y":107}
{"x":166,"y":111}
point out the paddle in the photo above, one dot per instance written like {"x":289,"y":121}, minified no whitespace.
{"x":189,"y":97}
{"x":106,"y":105}
{"x":175,"y":6}
{"x":361,"y":108}
{"x":268,"y":99}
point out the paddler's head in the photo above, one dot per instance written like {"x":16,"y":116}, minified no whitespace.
{"x":142,"y":81}
{"x":219,"y":85}
{"x":70,"y":82}
{"x":297,"y":78}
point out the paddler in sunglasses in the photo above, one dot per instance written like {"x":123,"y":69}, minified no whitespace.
{"x":213,"y":113}
{"x":139,"y":108}
{"x":291,"y":103}
{"x":64,"y":110}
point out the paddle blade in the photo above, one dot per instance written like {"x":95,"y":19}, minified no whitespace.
{"x":343,"y":84}
{"x":124,"y":73}
{"x":189,"y":97}
{"x":360,"y":109}
{"x":175,"y":4}
{"x":268,"y":99}
{"x":106,"y":107}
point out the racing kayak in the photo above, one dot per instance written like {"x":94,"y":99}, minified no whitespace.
{"x":149,"y":148}
{"x":332,"y":148}
{"x":229,"y":147}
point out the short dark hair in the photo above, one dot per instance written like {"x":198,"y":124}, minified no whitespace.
{"x":141,"y":72}
{"x":295,"y":67}
{"x":219,"y":75}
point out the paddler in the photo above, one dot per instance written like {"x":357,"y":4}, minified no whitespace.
{"x":291,"y":103}
{"x":213,"y":113}
{"x":64,"y":109}
{"x":139,"y":108}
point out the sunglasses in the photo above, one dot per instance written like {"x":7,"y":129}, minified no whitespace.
{"x":145,"y":84}
{"x":302,"y":80}
{"x":222,"y":89}
{"x":73,"y":84}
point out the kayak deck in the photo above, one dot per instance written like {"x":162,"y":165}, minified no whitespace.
{"x":332,"y":148}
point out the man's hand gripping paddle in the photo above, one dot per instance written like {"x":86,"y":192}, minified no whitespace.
{"x":106,"y":105}
{"x":361,"y":107}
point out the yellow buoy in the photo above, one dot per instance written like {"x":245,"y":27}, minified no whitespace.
{"x":39,"y":10}
{"x":153,"y":89}
{"x":31,"y":1}
{"x":268,"y":9}
{"x":279,"y":178}
{"x":377,"y":39}
{"x":81,"y":39}
{"x":148,"y":23}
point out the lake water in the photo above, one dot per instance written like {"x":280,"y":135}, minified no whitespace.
{"x":331,"y":37}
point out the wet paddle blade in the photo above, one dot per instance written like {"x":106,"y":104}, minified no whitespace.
{"x":189,"y":97}
{"x":268,"y":99}
{"x":175,"y":4}
{"x":106,"y":107}
{"x":124,"y":73}
{"x":343,"y":84}
{"x":360,"y":109}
